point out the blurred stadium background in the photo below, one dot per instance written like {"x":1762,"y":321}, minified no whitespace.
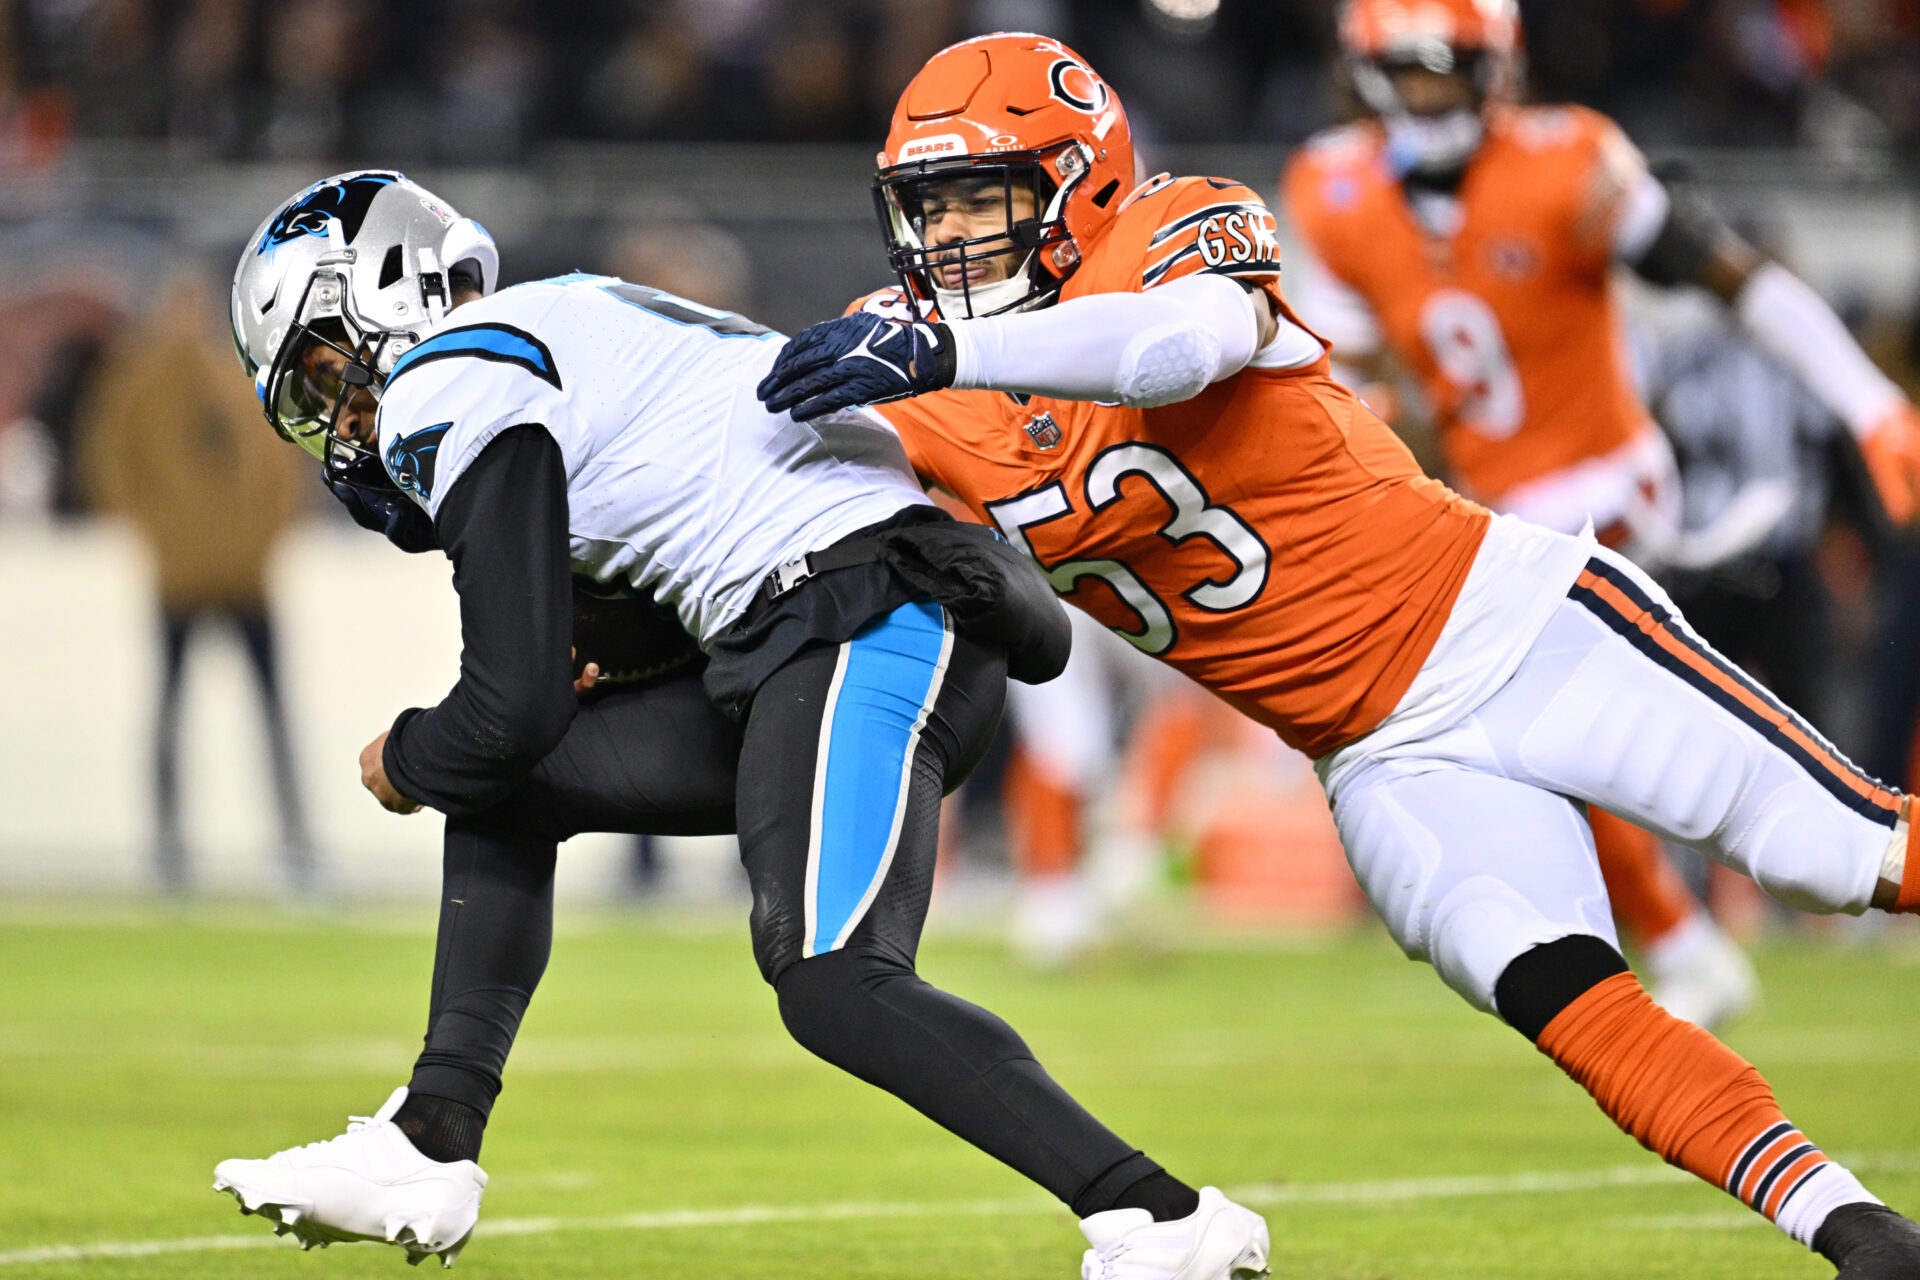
{"x":720,"y":149}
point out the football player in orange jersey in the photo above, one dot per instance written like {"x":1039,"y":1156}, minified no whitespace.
{"x":1475,"y":239}
{"x":1119,"y":386}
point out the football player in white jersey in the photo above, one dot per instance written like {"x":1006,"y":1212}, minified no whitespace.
{"x":858,"y":643}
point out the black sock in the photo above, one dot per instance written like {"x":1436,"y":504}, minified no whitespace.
{"x":440,"y":1128}
{"x":1162,"y":1195}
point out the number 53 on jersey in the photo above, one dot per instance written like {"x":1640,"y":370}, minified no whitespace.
{"x":1192,"y":516}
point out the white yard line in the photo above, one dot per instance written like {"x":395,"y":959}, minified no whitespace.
{"x":1454,"y":1188}
{"x":1336,"y":1193}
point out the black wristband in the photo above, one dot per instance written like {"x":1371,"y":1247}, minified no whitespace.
{"x":946,"y":358}
{"x":1685,"y":244}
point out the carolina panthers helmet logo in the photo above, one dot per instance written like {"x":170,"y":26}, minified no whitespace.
{"x":344,"y":198}
{"x":411,"y":459}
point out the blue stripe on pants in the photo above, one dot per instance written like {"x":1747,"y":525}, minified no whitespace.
{"x":884,"y":687}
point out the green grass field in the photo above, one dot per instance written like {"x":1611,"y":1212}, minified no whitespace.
{"x":657,"y":1122}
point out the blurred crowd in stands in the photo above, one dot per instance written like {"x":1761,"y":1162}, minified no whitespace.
{"x":110,"y":327}
{"x":482,"y":81}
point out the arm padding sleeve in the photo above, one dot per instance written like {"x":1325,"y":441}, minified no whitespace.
{"x":1795,"y":325}
{"x":1140,"y":349}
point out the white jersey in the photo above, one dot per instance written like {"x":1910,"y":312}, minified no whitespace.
{"x":679,"y":482}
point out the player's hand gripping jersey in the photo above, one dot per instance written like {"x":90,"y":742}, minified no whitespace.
{"x":1509,"y":317}
{"x":1269,"y":537}
{"x":678,"y":483}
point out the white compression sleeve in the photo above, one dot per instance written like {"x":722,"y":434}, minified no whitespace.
{"x":1140,"y":349}
{"x":1795,"y":326}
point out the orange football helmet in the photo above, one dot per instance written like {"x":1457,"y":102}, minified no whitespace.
{"x":1479,"y":39}
{"x":1012,"y":111}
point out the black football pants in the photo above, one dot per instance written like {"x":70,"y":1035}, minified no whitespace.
{"x":840,"y":857}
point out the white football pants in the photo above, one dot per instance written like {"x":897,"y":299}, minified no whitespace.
{"x":1470,"y":842}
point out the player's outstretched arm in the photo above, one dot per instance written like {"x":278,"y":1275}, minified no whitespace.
{"x":1797,"y":327}
{"x":861,"y":358}
{"x":1138,"y":349}
{"x":1792,"y":323}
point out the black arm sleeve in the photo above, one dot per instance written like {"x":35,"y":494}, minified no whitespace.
{"x":504,"y":526}
{"x":1686,"y":243}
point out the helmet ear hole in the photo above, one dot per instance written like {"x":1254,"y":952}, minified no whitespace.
{"x":1104,"y":196}
{"x":465,"y":277}
{"x":391,"y":266}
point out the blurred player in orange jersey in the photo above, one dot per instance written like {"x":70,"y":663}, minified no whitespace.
{"x":1119,"y":386}
{"x":1064,"y":762}
{"x":1475,"y":240}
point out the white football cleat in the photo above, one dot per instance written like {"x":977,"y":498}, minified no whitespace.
{"x":370,"y":1183}
{"x":1700,"y":974}
{"x":1055,"y":920}
{"x":1219,"y":1241}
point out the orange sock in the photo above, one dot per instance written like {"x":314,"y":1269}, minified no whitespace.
{"x":1169,"y":736}
{"x":1696,"y":1104}
{"x":1649,"y":897}
{"x":1043,"y":819}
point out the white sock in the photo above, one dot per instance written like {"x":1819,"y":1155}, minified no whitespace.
{"x":1826,"y":1189}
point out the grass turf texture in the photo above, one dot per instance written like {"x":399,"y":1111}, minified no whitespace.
{"x":653,"y":1076}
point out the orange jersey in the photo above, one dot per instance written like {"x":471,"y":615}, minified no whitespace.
{"x":1512,"y":321}
{"x":1270,"y":537}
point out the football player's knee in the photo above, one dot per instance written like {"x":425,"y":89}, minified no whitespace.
{"x":1544,"y":980}
{"x":778,"y":926}
{"x":828,"y":1001}
{"x":815,"y":995}
{"x":1481,"y":927}
{"x":1808,"y":857}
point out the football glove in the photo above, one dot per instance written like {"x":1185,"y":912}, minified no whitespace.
{"x":381,"y":507}
{"x":1891,"y":448}
{"x":857,"y":359}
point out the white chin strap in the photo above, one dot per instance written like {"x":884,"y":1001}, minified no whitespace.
{"x":984,"y":299}
{"x":1433,"y":144}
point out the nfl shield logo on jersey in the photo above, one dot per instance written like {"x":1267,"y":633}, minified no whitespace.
{"x":1044,"y":431}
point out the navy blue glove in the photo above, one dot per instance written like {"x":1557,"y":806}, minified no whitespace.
{"x":375,"y":504}
{"x":857,"y":359}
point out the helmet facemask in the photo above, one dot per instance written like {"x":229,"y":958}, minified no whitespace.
{"x":1422,"y":145}
{"x":909,"y":197}
{"x":322,"y":365}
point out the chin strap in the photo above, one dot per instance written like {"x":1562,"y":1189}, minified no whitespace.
{"x":364,"y":490}
{"x":433,"y":285}
{"x":1017,"y":292}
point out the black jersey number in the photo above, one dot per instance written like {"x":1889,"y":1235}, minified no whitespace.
{"x":1194,"y":516}
{"x":671,"y":306}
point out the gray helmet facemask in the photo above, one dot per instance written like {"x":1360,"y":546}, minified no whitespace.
{"x":335,"y":286}
{"x":1421,"y":145}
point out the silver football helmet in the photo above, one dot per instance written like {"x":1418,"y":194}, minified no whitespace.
{"x":335,"y":285}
